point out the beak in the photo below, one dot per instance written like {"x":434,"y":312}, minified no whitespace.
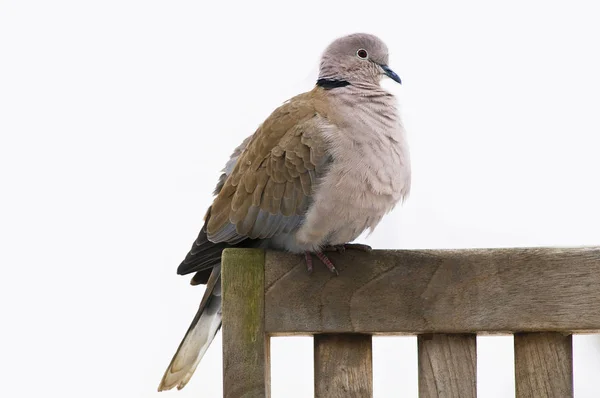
{"x":391,"y":74}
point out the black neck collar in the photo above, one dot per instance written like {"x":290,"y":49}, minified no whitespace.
{"x":328,"y":84}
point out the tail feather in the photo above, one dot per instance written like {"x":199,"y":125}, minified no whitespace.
{"x":200,"y":334}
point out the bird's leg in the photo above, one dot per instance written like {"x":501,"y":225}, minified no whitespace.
{"x":308,"y":259}
{"x":322,"y":257}
{"x":327,"y":262}
{"x":352,"y":246}
{"x":333,"y":248}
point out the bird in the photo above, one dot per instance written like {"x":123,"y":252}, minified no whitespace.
{"x":323,"y":168}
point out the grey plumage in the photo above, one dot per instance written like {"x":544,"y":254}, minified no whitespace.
{"x":322,"y":168}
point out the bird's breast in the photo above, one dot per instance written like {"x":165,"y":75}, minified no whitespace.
{"x":368,"y":175}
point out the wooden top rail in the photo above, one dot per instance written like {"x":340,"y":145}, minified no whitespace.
{"x":433,"y":291}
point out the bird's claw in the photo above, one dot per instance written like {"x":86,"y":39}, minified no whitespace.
{"x":327,"y":262}
{"x":324,"y":259}
{"x":308,"y":259}
{"x":333,"y":248}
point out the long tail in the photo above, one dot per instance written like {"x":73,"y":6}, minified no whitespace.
{"x":200,"y":334}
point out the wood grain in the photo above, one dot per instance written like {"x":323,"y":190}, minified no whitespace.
{"x":543,"y":365}
{"x":436,"y":291}
{"x":246,"y":367}
{"x":447,"y":365}
{"x":343,"y":366}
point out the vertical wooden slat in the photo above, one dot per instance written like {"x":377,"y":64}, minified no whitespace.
{"x":447,"y":365}
{"x":246,"y":368}
{"x":543,"y":365}
{"x":343,"y":366}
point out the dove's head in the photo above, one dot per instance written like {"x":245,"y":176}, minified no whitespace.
{"x":356,"y":58}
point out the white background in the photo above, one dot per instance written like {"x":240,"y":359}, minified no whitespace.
{"x":116,"y":117}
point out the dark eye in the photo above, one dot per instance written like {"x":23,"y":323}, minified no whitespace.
{"x":362,"y":53}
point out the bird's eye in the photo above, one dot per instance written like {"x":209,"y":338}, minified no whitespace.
{"x":362,"y":53}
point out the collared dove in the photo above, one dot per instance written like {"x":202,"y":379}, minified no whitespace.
{"x":325,"y":166}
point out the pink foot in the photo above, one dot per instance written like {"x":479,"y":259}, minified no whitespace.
{"x":308,"y":259}
{"x":324,"y":260}
{"x":327,"y":262}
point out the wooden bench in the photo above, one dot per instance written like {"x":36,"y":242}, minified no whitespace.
{"x":445,"y":297}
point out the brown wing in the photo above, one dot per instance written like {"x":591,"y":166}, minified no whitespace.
{"x":204,"y":254}
{"x":270,"y":187}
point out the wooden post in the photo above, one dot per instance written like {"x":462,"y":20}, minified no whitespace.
{"x":543,"y":365}
{"x":246,"y":367}
{"x":343,"y":366}
{"x":447,"y":365}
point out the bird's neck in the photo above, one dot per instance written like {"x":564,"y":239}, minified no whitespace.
{"x":368,"y":108}
{"x":328,"y":83}
{"x":334,"y":82}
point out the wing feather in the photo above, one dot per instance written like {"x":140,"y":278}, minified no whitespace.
{"x":270,"y":187}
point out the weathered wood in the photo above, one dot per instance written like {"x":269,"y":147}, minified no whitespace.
{"x":246,"y":368}
{"x":543,"y":365}
{"x":447,"y":365}
{"x":436,"y":291}
{"x":343,"y":366}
